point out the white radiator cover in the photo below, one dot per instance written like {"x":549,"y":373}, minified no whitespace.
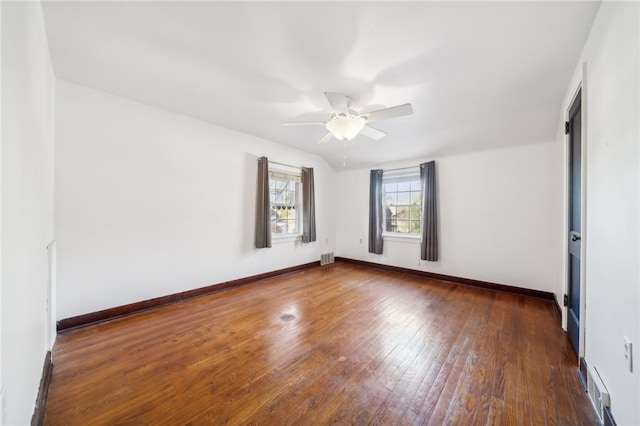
{"x":326,"y":258}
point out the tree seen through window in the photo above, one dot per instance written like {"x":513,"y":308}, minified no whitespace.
{"x":403,"y":205}
{"x":284,"y":216}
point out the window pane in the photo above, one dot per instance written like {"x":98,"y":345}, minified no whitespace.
{"x":403,"y":212}
{"x":414,"y":212}
{"x":284,"y":214}
{"x":392,"y":199}
{"x":390,"y":211}
{"x":404,"y":186}
{"x":388,"y":225}
{"x":402,"y":206}
{"x":389,"y":218}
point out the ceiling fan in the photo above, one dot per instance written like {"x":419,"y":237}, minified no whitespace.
{"x":345,"y":123}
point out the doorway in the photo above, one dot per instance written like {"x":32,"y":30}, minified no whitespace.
{"x":574,"y":130}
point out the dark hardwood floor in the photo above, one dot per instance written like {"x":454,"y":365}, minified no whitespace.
{"x":342,"y":344}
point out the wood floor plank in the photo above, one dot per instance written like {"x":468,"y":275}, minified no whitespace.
{"x":375,"y":373}
{"x":340,"y":344}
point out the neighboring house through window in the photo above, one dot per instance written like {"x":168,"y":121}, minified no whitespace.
{"x":285,"y":191}
{"x":402,"y":198}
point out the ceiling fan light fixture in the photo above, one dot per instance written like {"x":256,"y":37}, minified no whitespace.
{"x":345,"y":128}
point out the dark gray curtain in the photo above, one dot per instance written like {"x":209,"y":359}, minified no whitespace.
{"x":375,"y":212}
{"x":263,"y":205}
{"x":308,"y":206}
{"x":429,"y":245}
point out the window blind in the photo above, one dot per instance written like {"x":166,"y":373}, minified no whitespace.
{"x":406,"y":174}
{"x":279,"y":175}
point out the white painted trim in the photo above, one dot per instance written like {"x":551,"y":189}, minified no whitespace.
{"x":583,"y":211}
{"x":578,"y":86}
{"x":286,"y":238}
{"x":565,"y":220}
{"x":51,"y":295}
{"x":414,"y":239}
{"x":2,"y":390}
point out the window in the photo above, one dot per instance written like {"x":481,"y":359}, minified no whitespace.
{"x":402,"y":197}
{"x":284,"y":191}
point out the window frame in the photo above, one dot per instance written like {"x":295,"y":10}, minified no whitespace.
{"x":410,"y":174}
{"x":287,"y":174}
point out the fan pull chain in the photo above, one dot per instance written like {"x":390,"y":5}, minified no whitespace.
{"x":344,"y":157}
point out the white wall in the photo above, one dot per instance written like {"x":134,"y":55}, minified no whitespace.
{"x":611,"y":234}
{"x":1,"y":132}
{"x":497,"y":218}
{"x":27,"y":203}
{"x":150,"y":203}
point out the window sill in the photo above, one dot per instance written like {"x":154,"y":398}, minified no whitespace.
{"x":414,"y":239}
{"x":286,"y":239}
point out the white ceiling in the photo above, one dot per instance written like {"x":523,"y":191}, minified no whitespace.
{"x":479,"y":75}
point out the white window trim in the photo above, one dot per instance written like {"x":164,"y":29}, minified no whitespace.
{"x":402,"y":238}
{"x":276,"y":239}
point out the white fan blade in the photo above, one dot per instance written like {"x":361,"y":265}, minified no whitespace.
{"x":326,"y":138}
{"x":372,"y":133}
{"x":383,"y":114}
{"x":303,"y":123}
{"x":338,"y":102}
